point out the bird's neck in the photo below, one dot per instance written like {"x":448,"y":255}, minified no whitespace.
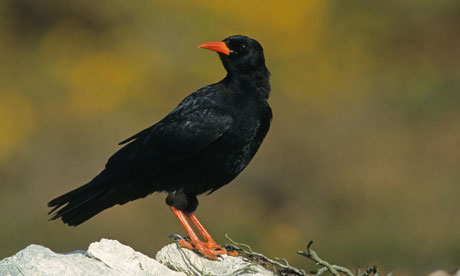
{"x":257,"y":81}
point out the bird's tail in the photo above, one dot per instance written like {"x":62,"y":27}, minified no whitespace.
{"x":84,"y":202}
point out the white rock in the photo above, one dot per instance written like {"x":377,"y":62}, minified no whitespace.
{"x":124,"y":260}
{"x":181,"y":259}
{"x":109,"y":257}
{"x":39,"y":260}
{"x":106,"y":257}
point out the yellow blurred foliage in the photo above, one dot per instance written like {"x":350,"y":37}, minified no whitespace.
{"x":100,"y":82}
{"x":293,"y":27}
{"x":17,"y":121}
{"x":97,"y":80}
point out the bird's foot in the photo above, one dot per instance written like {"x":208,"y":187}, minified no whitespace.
{"x":208,"y":249}
{"x":232,"y":251}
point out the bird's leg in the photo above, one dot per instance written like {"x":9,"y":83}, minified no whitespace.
{"x":187,"y":227}
{"x":207,"y":249}
{"x":210,"y":243}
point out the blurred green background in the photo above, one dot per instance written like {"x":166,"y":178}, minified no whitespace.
{"x":364,"y":151}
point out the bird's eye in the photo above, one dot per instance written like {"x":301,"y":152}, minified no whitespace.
{"x":243,"y":47}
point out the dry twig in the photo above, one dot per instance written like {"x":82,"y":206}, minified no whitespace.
{"x":287,"y":269}
{"x":333,"y":269}
{"x":260,"y":257}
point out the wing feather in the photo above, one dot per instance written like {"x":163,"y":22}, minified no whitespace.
{"x":177,"y":137}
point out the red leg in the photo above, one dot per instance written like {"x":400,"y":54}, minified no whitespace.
{"x":188,"y":229}
{"x":209,"y":248}
{"x":210,"y":243}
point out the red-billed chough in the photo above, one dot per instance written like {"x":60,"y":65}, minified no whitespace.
{"x":203,"y":144}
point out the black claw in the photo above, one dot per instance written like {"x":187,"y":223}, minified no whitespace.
{"x":176,"y":237}
{"x":232,"y":248}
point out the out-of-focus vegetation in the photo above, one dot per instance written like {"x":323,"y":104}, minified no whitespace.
{"x":364,"y":152}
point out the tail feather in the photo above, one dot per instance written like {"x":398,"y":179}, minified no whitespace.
{"x":96,"y":184}
{"x":104,"y":191}
{"x":62,"y":200}
{"x":74,"y":205}
{"x":83,"y":203}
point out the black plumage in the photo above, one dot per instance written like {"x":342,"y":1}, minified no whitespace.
{"x":203,"y":144}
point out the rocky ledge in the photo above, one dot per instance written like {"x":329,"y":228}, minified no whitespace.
{"x":110,"y":257}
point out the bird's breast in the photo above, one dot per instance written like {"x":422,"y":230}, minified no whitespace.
{"x":239,"y":144}
{"x":226,"y":157}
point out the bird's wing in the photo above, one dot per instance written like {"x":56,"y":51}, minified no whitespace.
{"x":140,"y":134}
{"x":176,"y":137}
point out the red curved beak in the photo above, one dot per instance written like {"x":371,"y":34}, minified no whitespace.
{"x":220,"y":47}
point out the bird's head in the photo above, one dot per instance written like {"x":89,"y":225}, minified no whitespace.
{"x":239,"y":54}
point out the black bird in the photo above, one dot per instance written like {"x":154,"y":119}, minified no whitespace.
{"x":203,"y":144}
